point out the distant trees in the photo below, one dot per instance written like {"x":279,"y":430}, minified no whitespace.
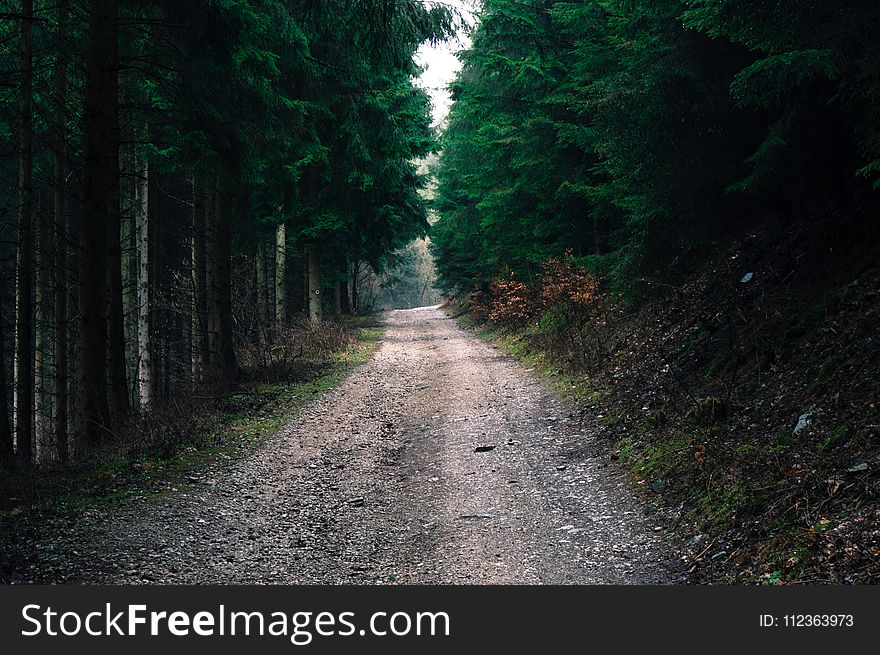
{"x":635,"y":134}
{"x":162,"y":156}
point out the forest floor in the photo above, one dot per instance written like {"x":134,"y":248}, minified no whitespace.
{"x":440,"y":460}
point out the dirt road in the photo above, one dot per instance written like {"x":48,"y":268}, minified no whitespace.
{"x":378,"y":482}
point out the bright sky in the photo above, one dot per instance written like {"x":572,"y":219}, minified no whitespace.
{"x":442,"y":64}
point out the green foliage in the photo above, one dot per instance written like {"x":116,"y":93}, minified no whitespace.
{"x":637,"y":133}
{"x":314,"y":102}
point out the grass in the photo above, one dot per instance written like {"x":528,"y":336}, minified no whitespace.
{"x":239,"y":426}
{"x":517,"y":346}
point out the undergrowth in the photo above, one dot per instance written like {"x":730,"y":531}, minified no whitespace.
{"x":180,"y":447}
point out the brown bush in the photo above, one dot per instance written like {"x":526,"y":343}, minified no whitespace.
{"x":293,"y":348}
{"x":479,"y":305}
{"x":513,"y":302}
{"x":564,"y":281}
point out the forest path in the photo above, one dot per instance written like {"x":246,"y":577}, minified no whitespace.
{"x":378,"y":481}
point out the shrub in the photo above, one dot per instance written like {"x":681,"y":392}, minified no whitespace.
{"x":514,"y":303}
{"x":563,"y":281}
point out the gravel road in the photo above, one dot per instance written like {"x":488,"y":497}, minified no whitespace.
{"x":378,"y":482}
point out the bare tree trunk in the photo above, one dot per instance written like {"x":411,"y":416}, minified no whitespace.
{"x":129,"y":250}
{"x":281,"y":276}
{"x":212,"y":317}
{"x":315,"y":282}
{"x":262,"y":290}
{"x":43,"y":342}
{"x":145,"y":346}
{"x":304,"y":257}
{"x":355,"y":266}
{"x":24,"y":399}
{"x":200,"y":354}
{"x":116,"y":373}
{"x":100,"y":197}
{"x":158,"y":327}
{"x":337,"y":298}
{"x":345,"y":303}
{"x":223,"y":264}
{"x":7,"y":452}
{"x":59,"y":202}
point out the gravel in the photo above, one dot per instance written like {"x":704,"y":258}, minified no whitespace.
{"x":390,"y":478}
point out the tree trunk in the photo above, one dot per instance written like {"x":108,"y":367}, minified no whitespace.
{"x":43,"y":341}
{"x":262,"y":290}
{"x":218,"y":271}
{"x":355,"y":266}
{"x":100,"y":187}
{"x":159,"y":328}
{"x":144,"y":331}
{"x":281,"y":276}
{"x":212,"y":317}
{"x":345,"y":304}
{"x":24,"y":381}
{"x":129,"y":251}
{"x":7,"y":451}
{"x":59,"y":202}
{"x":116,"y":373}
{"x":223,"y":263}
{"x":315,"y":283}
{"x":304,"y":261}
{"x":337,"y":298}
{"x":200,"y":353}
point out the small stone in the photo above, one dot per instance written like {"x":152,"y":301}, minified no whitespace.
{"x":484,"y":449}
{"x":696,"y":539}
{"x":803,"y":421}
{"x":476,"y":517}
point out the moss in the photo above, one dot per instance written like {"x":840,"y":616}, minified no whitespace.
{"x":781,"y":442}
{"x":656,"y":420}
{"x":721,"y":502}
{"x":719,"y":365}
{"x":825,"y":368}
{"x":747,"y":449}
{"x":665,"y":457}
{"x":625,"y":449}
{"x":837,"y":437}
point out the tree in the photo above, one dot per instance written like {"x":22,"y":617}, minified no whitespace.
{"x":186,"y":129}
{"x":24,"y":397}
{"x":280,"y":276}
{"x":7,"y":448}
{"x":100,"y":202}
{"x":62,"y":237}
{"x":146,"y":381}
